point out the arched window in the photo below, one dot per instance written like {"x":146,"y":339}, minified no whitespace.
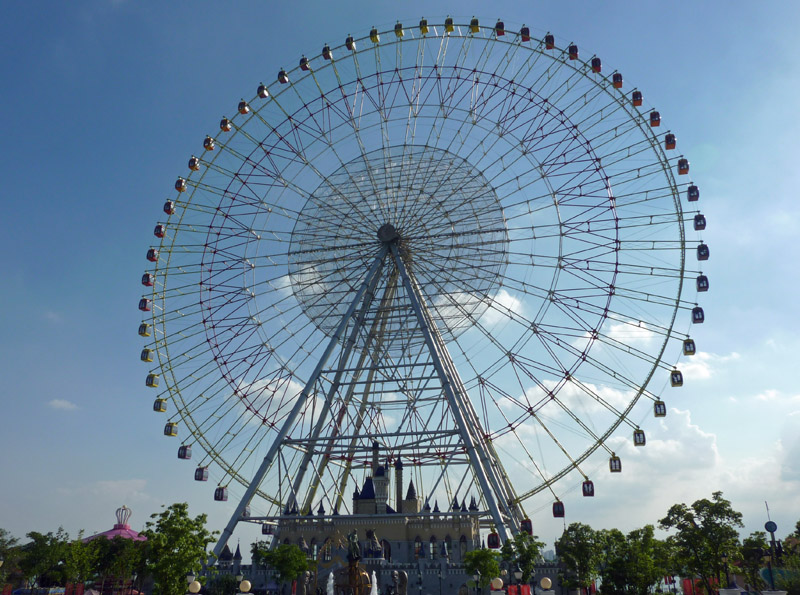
{"x":314,"y":549}
{"x":434,"y":553}
{"x":448,"y":544}
{"x":462,"y":546}
{"x":419,"y":551}
{"x":326,"y":550}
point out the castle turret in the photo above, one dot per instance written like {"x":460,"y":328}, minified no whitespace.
{"x":381,"y":482}
{"x":398,"y":484}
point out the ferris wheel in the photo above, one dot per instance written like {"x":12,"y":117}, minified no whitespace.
{"x":461,"y":245}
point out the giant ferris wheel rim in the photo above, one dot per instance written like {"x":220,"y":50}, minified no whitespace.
{"x":452,"y":312}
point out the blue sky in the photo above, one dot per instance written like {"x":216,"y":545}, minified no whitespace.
{"x":105,"y":100}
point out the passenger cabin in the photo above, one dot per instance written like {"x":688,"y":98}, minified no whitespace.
{"x":549,"y":42}
{"x":699,"y":222}
{"x":148,"y":279}
{"x":266,"y":529}
{"x":144,"y":330}
{"x":683,"y":167}
{"x":225,"y":124}
{"x":692,"y":193}
{"x":146,"y":355}
{"x":283,"y":78}
{"x":221,"y":494}
{"x":201,"y":474}
{"x":262,"y":90}
{"x":615,"y":464}
{"x":558,"y":509}
{"x":145,"y":305}
{"x":326,"y":52}
{"x":527,"y":526}
{"x":689,"y":347}
{"x":243,"y":108}
{"x":588,"y":489}
{"x":597,"y":64}
{"x":448,"y":25}
{"x":423,"y":26}
{"x":160,"y":406}
{"x":638,"y":437}
{"x":171,"y":429}
{"x":702,"y":283}
{"x":616,"y":80}
{"x":655,"y":119}
{"x":474,"y":27}
{"x":493,"y":541}
{"x":151,"y":381}
{"x":676,"y":378}
{"x":350,"y":43}
{"x":246,"y":512}
{"x":499,"y":28}
{"x":398,"y":30}
{"x":670,"y":142}
{"x":152,"y":255}
{"x":169,"y":207}
{"x":159,"y":230}
{"x":180,"y":185}
{"x":194,"y":163}
{"x":573,"y":51}
{"x":525,"y":34}
{"x":185,"y":452}
{"x":208,"y":144}
{"x":698,"y":316}
{"x":374,"y":37}
{"x":660,"y":408}
{"x":637,"y":98}
{"x":703,"y":252}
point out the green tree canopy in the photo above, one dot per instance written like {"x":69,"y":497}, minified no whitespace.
{"x":703,"y":532}
{"x":522,"y":551}
{"x":580,"y":549}
{"x":634,"y":563}
{"x":176,"y":545}
{"x":484,"y":561}
{"x":287,"y":559}
{"x":42,"y":560}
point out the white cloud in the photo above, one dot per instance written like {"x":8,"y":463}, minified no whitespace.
{"x":630,"y":334}
{"x":703,"y":365}
{"x":62,"y":404}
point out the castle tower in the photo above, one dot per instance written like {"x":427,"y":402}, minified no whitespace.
{"x":398,"y":484}
{"x":381,"y":482}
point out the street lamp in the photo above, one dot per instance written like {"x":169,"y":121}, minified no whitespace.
{"x":477,"y":577}
{"x":193,"y":585}
{"x":518,"y":574}
{"x":724,"y":558}
{"x":440,"y":581}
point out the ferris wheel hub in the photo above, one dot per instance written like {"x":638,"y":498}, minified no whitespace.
{"x":387,"y":233}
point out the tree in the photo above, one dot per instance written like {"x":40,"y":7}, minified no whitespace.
{"x":522,"y":551}
{"x":222,"y":584}
{"x":483,"y":561}
{"x":704,"y":532}
{"x":753,"y":548}
{"x":258,"y":553}
{"x":288,"y":560}
{"x":9,"y":553}
{"x":580,"y":551}
{"x":42,"y":562}
{"x":80,"y":560}
{"x":176,"y":545}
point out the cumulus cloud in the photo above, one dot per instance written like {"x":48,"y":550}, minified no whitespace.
{"x":703,"y":365}
{"x":62,"y":404}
